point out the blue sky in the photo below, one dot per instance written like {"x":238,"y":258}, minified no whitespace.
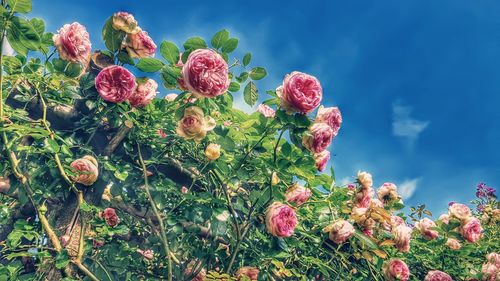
{"x":417,"y":81}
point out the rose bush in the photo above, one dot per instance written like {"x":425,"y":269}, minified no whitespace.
{"x":105,"y":176}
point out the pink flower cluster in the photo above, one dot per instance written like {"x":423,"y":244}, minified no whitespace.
{"x":470,"y":227}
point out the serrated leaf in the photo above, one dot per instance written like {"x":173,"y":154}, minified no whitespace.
{"x":258,"y":73}
{"x":149,"y":65}
{"x":112,"y":38}
{"x":20,"y":6}
{"x":250,"y":94}
{"x":194,"y":43}
{"x":246,"y":59}
{"x":220,"y":38}
{"x":170,"y":52}
{"x":230,"y":45}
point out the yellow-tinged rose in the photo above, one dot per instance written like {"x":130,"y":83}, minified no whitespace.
{"x":195,"y":125}
{"x":212,"y":151}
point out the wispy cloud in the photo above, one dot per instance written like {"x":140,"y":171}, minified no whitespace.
{"x":7,"y":49}
{"x":407,"y":188}
{"x":405,"y":126}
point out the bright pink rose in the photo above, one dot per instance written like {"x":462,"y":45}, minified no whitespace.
{"x":445,"y":218}
{"x":139,"y":45}
{"x":424,"y":226}
{"x":436,"y":275}
{"x":115,"y":83}
{"x":388,"y":193}
{"x":459,"y":211}
{"x":330,"y":116}
{"x":402,"y":235}
{"x":205,"y":73}
{"x":110,"y":216}
{"x":73,"y":43}
{"x":490,"y":272}
{"x":280,"y":220}
{"x":144,"y":93}
{"x":171,"y":96}
{"x":396,"y":269}
{"x":300,"y":92}
{"x":147,"y":254}
{"x":471,"y":230}
{"x":340,"y":231}
{"x":318,"y":138}
{"x":266,"y":110}
{"x":125,"y":22}
{"x":86,"y":169}
{"x":321,"y":160}
{"x":453,"y":244}
{"x":251,"y":273}
{"x":494,"y":258}
{"x":297,"y":194}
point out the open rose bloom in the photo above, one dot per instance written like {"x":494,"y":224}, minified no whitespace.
{"x":402,"y":236}
{"x":125,"y":22}
{"x":425,"y":227}
{"x":300,"y":92}
{"x":73,"y":43}
{"x":318,"y":138}
{"x":195,"y":125}
{"x":471,"y":230}
{"x":453,"y":244}
{"x":86,"y":169}
{"x":115,"y":83}
{"x":396,"y":269}
{"x":388,"y":193}
{"x":139,"y":45}
{"x":436,"y":275}
{"x":281,"y":220}
{"x":110,"y":216}
{"x":459,"y":211}
{"x":340,"y":231}
{"x":144,"y":93}
{"x":331,"y":116}
{"x":251,"y":273}
{"x":205,"y":73}
{"x":212,"y":151}
{"x":297,"y":194}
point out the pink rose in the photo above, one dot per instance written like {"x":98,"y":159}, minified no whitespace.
{"x":365,"y":179}
{"x":195,"y":125}
{"x":144,"y":93}
{"x":368,"y":232}
{"x":494,"y":258}
{"x":161,"y":133}
{"x":86,"y":169}
{"x":125,"y":22}
{"x":110,"y":216}
{"x":190,"y":270}
{"x":297,"y":194}
{"x":139,"y":45}
{"x":444,"y":218}
{"x":171,"y":96}
{"x":490,"y":272}
{"x":147,"y":254}
{"x":115,"y":83}
{"x":364,"y":197}
{"x":251,"y":273}
{"x":300,"y":92}
{"x":184,"y":190}
{"x":388,"y":193}
{"x":436,"y":275}
{"x":402,"y":235}
{"x":471,"y":230}
{"x":340,"y":231}
{"x":73,"y":43}
{"x":318,"y":138}
{"x":321,"y":160}
{"x":397,"y":220}
{"x":424,"y":226}
{"x":459,"y":211}
{"x":396,"y":269}
{"x":280,"y":220}
{"x":330,"y":116}
{"x":205,"y":73}
{"x":453,"y":244}
{"x":266,"y":110}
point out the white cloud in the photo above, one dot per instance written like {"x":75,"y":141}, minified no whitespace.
{"x":7,"y":49}
{"x":407,"y":188}
{"x":404,"y":126}
{"x":345,"y":180}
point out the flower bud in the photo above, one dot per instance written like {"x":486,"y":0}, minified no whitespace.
{"x":212,"y":151}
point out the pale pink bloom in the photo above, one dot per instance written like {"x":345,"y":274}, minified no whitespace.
{"x":205,"y":73}
{"x":359,"y":211}
{"x":73,"y":43}
{"x":321,"y":160}
{"x":471,"y":230}
{"x":300,"y":92}
{"x":459,"y":211}
{"x":144,"y":93}
{"x":340,"y":231}
{"x":115,"y":83}
{"x":436,"y":275}
{"x":147,"y":254}
{"x":266,"y":110}
{"x":396,"y":269}
{"x":139,"y":45}
{"x":453,"y":244}
{"x":377,"y":203}
{"x":161,"y":133}
{"x":110,"y":216}
{"x":402,"y":235}
{"x":445,"y":218}
{"x":184,"y":189}
{"x":297,"y":194}
{"x":388,"y":193}
{"x":195,"y":125}
{"x":318,"y":138}
{"x":424,"y":226}
{"x":490,"y":272}
{"x":330,"y":116}
{"x":125,"y":22}
{"x":86,"y":169}
{"x":397,"y":220}
{"x":227,"y":123}
{"x":365,"y":179}
{"x":494,"y":258}
{"x":281,"y":220}
{"x":171,"y":97}
{"x":251,"y":273}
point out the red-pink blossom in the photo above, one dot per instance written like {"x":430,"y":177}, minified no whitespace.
{"x":110,"y":216}
{"x":396,"y":269}
{"x":144,"y":92}
{"x":300,"y":92}
{"x":297,"y":194}
{"x":471,"y":230}
{"x":139,"y":45}
{"x":281,"y":220}
{"x":115,"y":83}
{"x":330,"y":116}
{"x":318,"y":138}
{"x":86,"y":169}
{"x":436,"y":275}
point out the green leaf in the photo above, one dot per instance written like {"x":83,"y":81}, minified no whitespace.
{"x":170,"y":52}
{"x":22,"y":36}
{"x":220,"y":38}
{"x":20,"y":6}
{"x":234,"y":87}
{"x":124,"y":57}
{"x":250,"y":94}
{"x":246,"y":59}
{"x":230,"y":45}
{"x":365,"y":240}
{"x":170,"y":75}
{"x":52,"y":145}
{"x":149,"y":65}
{"x":258,"y":73}
{"x":73,"y":70}
{"x":194,"y":43}
{"x":112,"y":38}
{"x":62,"y":259}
